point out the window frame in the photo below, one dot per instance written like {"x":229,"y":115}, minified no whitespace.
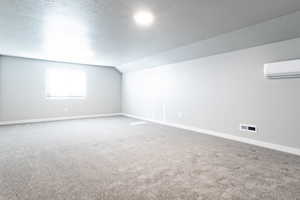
{"x":48,"y":97}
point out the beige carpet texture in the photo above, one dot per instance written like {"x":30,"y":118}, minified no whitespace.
{"x":117,"y":159}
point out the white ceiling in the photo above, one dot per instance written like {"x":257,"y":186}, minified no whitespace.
{"x":279,"y":29}
{"x":102,"y":32}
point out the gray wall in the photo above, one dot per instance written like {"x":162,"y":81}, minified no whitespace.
{"x":22,"y":91}
{"x":220,"y":92}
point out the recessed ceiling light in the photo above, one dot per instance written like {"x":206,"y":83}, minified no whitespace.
{"x":144,"y":18}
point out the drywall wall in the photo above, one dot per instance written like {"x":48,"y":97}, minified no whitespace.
{"x":221,"y":92}
{"x":22,"y":91}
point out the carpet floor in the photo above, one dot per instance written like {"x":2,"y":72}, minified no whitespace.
{"x":116,"y":159}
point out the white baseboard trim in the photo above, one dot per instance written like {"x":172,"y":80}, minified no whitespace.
{"x":276,"y":147}
{"x":29,"y":121}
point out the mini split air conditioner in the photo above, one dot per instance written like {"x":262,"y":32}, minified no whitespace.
{"x":285,"y":69}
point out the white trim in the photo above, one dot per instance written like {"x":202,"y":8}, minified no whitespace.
{"x":277,"y":147}
{"x":29,"y":121}
{"x":66,"y":98}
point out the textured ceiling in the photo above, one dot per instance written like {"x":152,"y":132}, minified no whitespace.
{"x":279,"y":29}
{"x":102,"y":32}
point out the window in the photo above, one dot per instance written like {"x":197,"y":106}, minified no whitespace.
{"x":65,"y":83}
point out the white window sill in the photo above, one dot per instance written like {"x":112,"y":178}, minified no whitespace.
{"x":65,"y":98}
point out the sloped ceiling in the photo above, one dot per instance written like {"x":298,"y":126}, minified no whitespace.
{"x":102,"y":32}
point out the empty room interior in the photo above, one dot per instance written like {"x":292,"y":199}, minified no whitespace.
{"x":149,"y":100}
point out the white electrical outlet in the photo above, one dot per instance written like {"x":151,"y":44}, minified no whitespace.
{"x":248,"y":128}
{"x":180,"y":115}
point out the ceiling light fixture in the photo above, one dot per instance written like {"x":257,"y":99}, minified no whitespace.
{"x":144,"y":18}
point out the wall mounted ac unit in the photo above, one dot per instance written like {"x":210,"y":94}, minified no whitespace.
{"x":285,"y":69}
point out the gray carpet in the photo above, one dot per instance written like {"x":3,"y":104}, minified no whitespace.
{"x":111,"y":159}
